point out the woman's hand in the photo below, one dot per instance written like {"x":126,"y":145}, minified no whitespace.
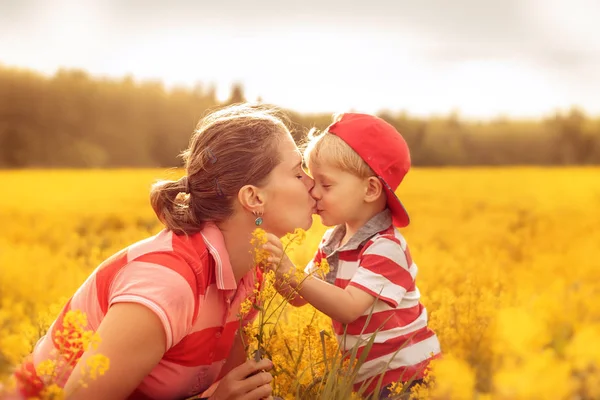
{"x":248,"y":381}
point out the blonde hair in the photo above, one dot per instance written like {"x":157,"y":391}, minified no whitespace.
{"x":230,"y":148}
{"x":325,"y":147}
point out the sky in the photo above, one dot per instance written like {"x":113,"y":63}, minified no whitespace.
{"x":480,"y":58}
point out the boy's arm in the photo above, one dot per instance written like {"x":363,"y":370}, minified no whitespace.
{"x":288,"y":293}
{"x":386,"y":273}
{"x":343,"y":305}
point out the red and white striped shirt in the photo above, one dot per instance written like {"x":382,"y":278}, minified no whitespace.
{"x":377,"y":260}
{"x":189,"y":284}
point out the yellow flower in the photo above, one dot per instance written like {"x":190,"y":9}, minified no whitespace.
{"x":268,"y":291}
{"x":295,"y":238}
{"x":97,"y":365}
{"x":396,"y":388}
{"x":74,"y":320}
{"x":552,"y":378}
{"x":259,"y":238}
{"x":515,"y":305}
{"x":299,"y":274}
{"x":455,"y":379}
{"x":323,"y":267}
{"x":74,"y":338}
{"x":46,"y":368}
{"x":584,"y":349}
{"x":53,"y":392}
{"x":245,"y":307}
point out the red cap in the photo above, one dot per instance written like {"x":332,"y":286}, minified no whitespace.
{"x":382,"y":147}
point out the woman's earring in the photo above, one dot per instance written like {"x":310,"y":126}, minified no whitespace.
{"x":258,"y":221}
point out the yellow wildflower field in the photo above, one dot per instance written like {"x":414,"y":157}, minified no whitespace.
{"x":508,"y":260}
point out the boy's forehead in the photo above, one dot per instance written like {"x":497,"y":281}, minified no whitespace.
{"x":322,"y":169}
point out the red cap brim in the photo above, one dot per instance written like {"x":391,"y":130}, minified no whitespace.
{"x":399,"y":214}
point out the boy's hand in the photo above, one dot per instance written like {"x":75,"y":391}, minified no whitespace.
{"x":286,"y":281}
{"x":278,"y":261}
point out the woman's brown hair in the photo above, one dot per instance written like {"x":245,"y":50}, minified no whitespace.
{"x":230,"y":148}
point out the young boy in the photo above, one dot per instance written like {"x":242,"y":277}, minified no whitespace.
{"x":357,"y":164}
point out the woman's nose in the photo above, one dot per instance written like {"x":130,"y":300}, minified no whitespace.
{"x":309,"y":182}
{"x":314,"y":193}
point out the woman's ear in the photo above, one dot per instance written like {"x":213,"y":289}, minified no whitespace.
{"x":251,"y":198}
{"x":373,"y":190}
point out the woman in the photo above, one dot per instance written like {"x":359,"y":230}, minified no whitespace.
{"x":166,"y":307}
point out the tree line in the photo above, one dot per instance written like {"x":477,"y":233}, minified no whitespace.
{"x":74,"y":120}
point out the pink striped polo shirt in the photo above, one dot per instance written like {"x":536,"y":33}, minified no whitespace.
{"x":377,"y":260}
{"x":189,"y":284}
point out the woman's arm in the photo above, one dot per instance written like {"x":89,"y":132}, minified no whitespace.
{"x":237,"y":355}
{"x":132,"y":337}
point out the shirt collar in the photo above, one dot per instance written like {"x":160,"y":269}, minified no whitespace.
{"x":376,"y":224}
{"x":215,"y":243}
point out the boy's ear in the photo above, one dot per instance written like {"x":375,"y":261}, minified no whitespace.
{"x":374,"y":189}
{"x":251,"y":198}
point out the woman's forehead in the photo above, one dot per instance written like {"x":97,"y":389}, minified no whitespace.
{"x":291,"y":153}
